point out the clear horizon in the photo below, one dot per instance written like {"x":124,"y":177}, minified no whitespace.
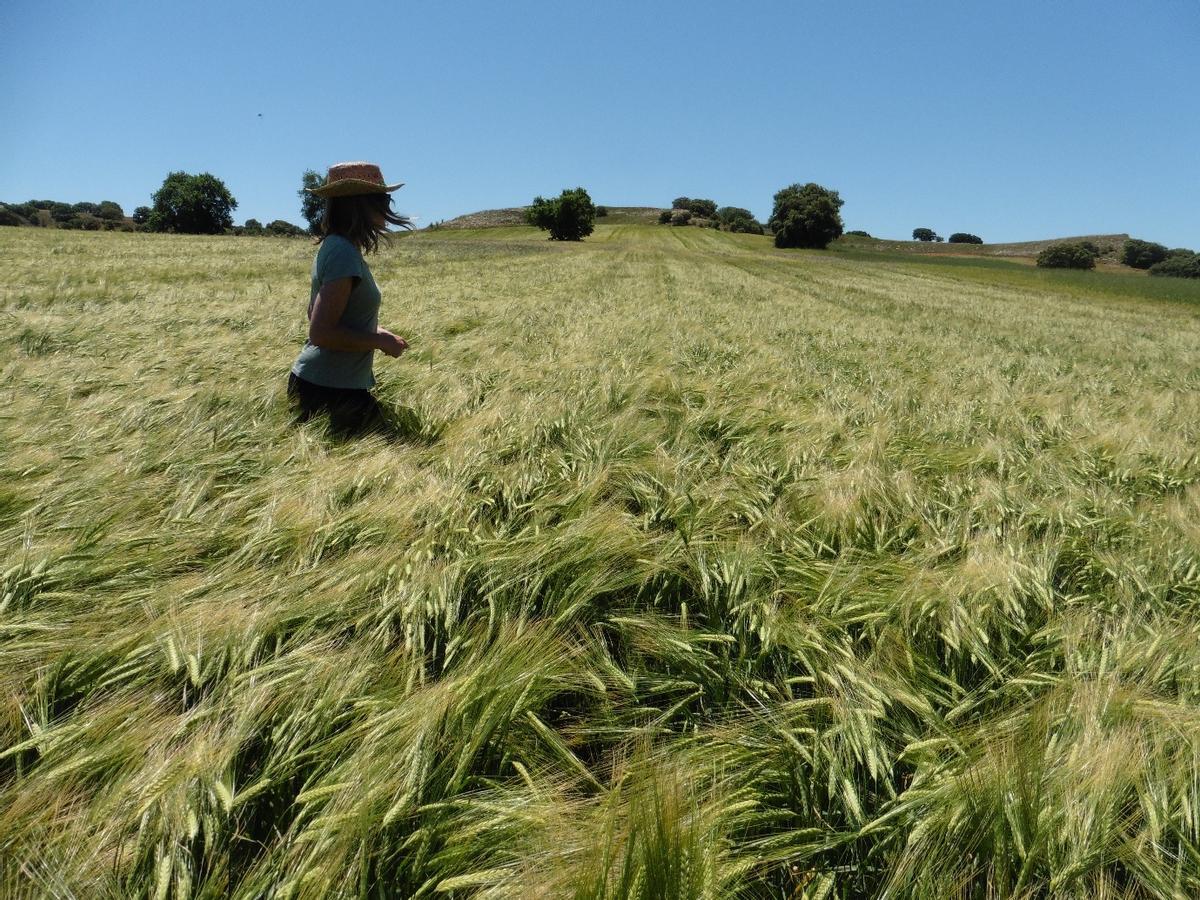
{"x":1021,"y":123}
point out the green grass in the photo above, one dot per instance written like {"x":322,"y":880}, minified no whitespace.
{"x":692,"y":568}
{"x":1128,"y":284}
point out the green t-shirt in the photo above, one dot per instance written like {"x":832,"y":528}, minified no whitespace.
{"x":338,"y":258}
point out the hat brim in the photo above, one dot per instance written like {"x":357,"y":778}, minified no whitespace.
{"x":349,"y":187}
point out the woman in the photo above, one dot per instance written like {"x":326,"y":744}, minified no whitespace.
{"x":333,"y":372}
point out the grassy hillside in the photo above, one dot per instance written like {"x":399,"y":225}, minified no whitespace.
{"x":1110,"y":247}
{"x":690,"y":568}
{"x":493,"y":218}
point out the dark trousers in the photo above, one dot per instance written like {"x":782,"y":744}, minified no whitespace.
{"x":351,"y":410}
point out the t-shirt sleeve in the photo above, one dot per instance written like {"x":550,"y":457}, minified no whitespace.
{"x":338,"y":259}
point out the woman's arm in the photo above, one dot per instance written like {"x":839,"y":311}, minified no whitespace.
{"x":325,"y":328}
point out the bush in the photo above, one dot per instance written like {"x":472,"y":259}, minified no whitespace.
{"x":280,"y":228}
{"x":568,"y":217}
{"x":704,"y":209}
{"x":1178,"y":266}
{"x":253,"y":228}
{"x":806,"y":216}
{"x":192,"y":204}
{"x":601,"y":212}
{"x":61,"y":213}
{"x":9,"y":217}
{"x":681,"y":216}
{"x":110,"y":210}
{"x":1142,"y":254}
{"x":745,"y":226}
{"x":924,"y":234}
{"x":858,"y":233}
{"x":664,"y":217}
{"x":141,"y":215}
{"x":727,"y":214}
{"x":738,"y":220}
{"x":961,"y":237}
{"x":27,"y":211}
{"x":1068,"y":256}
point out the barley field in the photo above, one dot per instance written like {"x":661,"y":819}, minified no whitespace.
{"x":689,"y":569}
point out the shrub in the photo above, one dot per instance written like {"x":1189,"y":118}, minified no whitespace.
{"x":141,"y":215}
{"x":858,"y":233}
{"x":745,"y":226}
{"x":924,"y":234}
{"x":280,"y":228}
{"x":8,"y":217}
{"x":738,"y":220}
{"x":601,"y":212}
{"x":681,"y":216}
{"x":110,"y":210}
{"x":61,"y":213}
{"x":253,"y":227}
{"x":192,"y":204}
{"x":664,"y":217}
{"x":568,"y":217}
{"x":27,"y":211}
{"x":806,"y":216}
{"x":704,"y":209}
{"x":1178,"y":266}
{"x":1142,"y":254}
{"x":1068,"y":255}
{"x":961,"y":237}
{"x":727,"y":214}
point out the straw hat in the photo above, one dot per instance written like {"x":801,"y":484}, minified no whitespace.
{"x":348,"y":179}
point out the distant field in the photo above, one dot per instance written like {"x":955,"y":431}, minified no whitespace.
{"x":691,"y":568}
{"x":492,"y":218}
{"x":1110,"y":246}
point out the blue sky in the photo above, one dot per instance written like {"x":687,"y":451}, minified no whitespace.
{"x":1014,"y":121}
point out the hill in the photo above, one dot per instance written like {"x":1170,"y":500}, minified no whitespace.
{"x":686,"y":567}
{"x":495,"y":218}
{"x":1110,"y":246}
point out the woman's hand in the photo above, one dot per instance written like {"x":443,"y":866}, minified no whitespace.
{"x":389,"y":343}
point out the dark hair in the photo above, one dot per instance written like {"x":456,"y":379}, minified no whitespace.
{"x":354,"y":219}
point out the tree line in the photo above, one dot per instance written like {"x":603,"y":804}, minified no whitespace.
{"x":803,"y":215}
{"x":184,"y":204}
